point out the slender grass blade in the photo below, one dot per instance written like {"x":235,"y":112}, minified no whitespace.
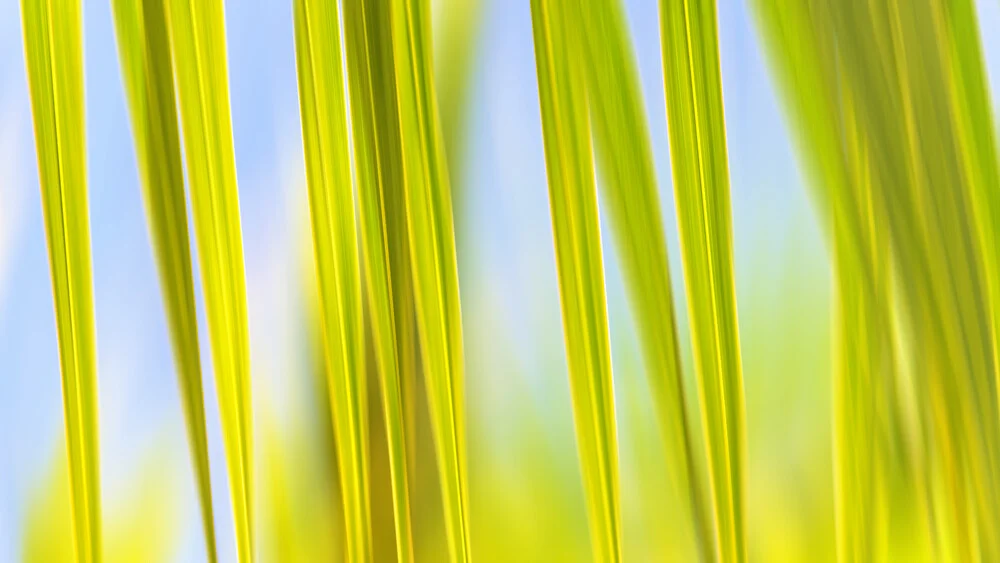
{"x":198,"y":44}
{"x":432,"y":258}
{"x":332,"y":207}
{"x":701,"y":187}
{"x":378,"y":163}
{"x":629,"y":189}
{"x":53,"y":47}
{"x":147,"y":71}
{"x":573,"y":201}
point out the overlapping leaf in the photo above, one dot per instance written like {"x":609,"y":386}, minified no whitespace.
{"x":331,"y":203}
{"x":427,"y":195}
{"x":378,"y":164}
{"x":911,"y":185}
{"x":147,"y":70}
{"x":198,"y":44}
{"x":630,"y":191}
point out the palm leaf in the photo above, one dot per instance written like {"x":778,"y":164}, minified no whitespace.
{"x":331,"y":203}
{"x":628,"y":182}
{"x":53,"y":49}
{"x":456,"y":50}
{"x":573,"y":200}
{"x":432,"y":258}
{"x":378,"y":162}
{"x":841,"y":182}
{"x":147,"y":73}
{"x":911,"y":82}
{"x":701,"y":187}
{"x":197,"y":40}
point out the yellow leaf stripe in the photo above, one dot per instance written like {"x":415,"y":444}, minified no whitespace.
{"x":53,"y":48}
{"x":147,"y":70}
{"x":331,"y":203}
{"x":197,"y":40}
{"x":696,"y":123}
{"x":573,"y":201}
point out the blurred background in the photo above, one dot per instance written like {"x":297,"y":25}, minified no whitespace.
{"x":526,"y":491}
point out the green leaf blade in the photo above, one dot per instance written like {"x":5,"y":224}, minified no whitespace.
{"x":701,"y":185}
{"x":144,"y":51}
{"x":456,"y":51}
{"x":197,"y":39}
{"x":573,"y":201}
{"x":378,"y":162}
{"x":431,"y":235}
{"x":629,"y":189}
{"x":53,"y":48}
{"x":332,"y":208}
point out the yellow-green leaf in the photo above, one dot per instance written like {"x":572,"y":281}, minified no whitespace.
{"x":431,"y":235}
{"x":629,"y":189}
{"x":198,"y":44}
{"x":378,"y":165}
{"x":331,"y":204}
{"x":910,"y":183}
{"x":456,"y":49}
{"x":147,"y":72}
{"x":693,"y":85}
{"x":53,"y":47}
{"x":576,"y":228}
{"x":841,"y":184}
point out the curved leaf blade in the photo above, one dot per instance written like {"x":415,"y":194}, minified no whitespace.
{"x":147,"y":70}
{"x":198,"y":45}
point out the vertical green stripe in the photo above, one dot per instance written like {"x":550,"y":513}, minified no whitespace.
{"x":332,"y":207}
{"x":630,"y":192}
{"x":198,"y":44}
{"x":432,"y":257}
{"x":576,"y":228}
{"x":147,"y":70}
{"x":377,"y":155}
{"x":696,"y":122}
{"x":53,"y":49}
